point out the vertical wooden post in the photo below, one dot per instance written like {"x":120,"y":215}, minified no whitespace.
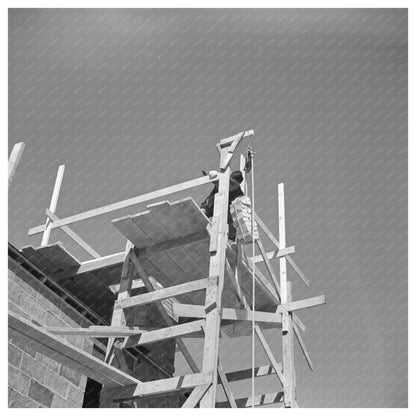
{"x":52,"y":206}
{"x":242,"y":166}
{"x":214,"y":291}
{"x":287,"y":323}
{"x":126,"y":281}
{"x":14,"y":159}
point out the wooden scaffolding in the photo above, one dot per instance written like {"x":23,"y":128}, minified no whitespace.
{"x":199,"y":298}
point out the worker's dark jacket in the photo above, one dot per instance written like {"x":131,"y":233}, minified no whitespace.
{"x":208,"y":205}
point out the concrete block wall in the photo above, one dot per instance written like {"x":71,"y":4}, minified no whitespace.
{"x":35,"y":380}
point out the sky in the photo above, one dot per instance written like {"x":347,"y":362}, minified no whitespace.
{"x":134,"y":100}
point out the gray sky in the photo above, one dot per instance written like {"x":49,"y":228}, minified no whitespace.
{"x":135,"y":100}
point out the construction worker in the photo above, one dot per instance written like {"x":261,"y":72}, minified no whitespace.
{"x":234,"y":192}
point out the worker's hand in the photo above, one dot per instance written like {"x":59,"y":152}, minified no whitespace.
{"x":204,"y":211}
{"x":212,"y":174}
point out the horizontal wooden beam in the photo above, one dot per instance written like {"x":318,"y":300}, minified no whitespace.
{"x":302,"y":304}
{"x":245,"y":374}
{"x":38,"y":339}
{"x":159,"y":386}
{"x":163,"y":334}
{"x":197,"y":311}
{"x":73,"y":235}
{"x":259,"y":400}
{"x":124,"y":204}
{"x":99,"y":331}
{"x":274,"y":254}
{"x":168,"y":292}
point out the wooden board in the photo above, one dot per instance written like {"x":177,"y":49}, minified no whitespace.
{"x":164,"y":221}
{"x":52,"y":258}
{"x":58,"y":349}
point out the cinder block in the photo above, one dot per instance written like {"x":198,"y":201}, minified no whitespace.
{"x":49,"y":362}
{"x":49,"y":300}
{"x":18,"y":381}
{"x":30,"y":304}
{"x":20,"y":401}
{"x":14,"y":355}
{"x":73,"y":376}
{"x":33,"y":368}
{"x":40,"y":393}
{"x":47,"y":318}
{"x":56,"y":383}
{"x":15,"y":292}
{"x":58,"y":401}
{"x":75,"y":395}
{"x":24,"y":279}
{"x":83,"y":383}
{"x":87,"y":345}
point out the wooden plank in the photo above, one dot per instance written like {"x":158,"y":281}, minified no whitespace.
{"x":58,"y":255}
{"x":175,"y":266}
{"x":273,"y":254}
{"x":124,"y":204}
{"x":159,"y":386}
{"x":61,"y":350}
{"x":102,"y":262}
{"x":73,"y":235}
{"x":180,"y":242}
{"x":268,"y":288}
{"x":287,"y":323}
{"x":165,"y":333}
{"x":288,"y":358}
{"x":230,"y":140}
{"x":226,"y":386}
{"x":226,"y":157}
{"x":303,"y":347}
{"x":259,"y":400}
{"x":213,"y":297}
{"x":214,"y":234}
{"x":44,"y":349}
{"x":245,"y":374}
{"x":269,"y":354}
{"x":98,"y":331}
{"x":163,"y":293}
{"x":234,"y":277}
{"x":54,"y":202}
{"x":195,"y":396}
{"x":302,"y":304}
{"x":277,"y":245}
{"x":268,"y":265}
{"x":52,"y":259}
{"x":118,"y":317}
{"x":197,"y":311}
{"x":150,"y":287}
{"x":14,"y":159}
{"x":242,"y":166}
{"x":172,"y":217}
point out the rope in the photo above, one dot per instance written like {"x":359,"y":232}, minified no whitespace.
{"x":253,"y":345}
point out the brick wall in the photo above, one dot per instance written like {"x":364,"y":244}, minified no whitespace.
{"x":34,"y":379}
